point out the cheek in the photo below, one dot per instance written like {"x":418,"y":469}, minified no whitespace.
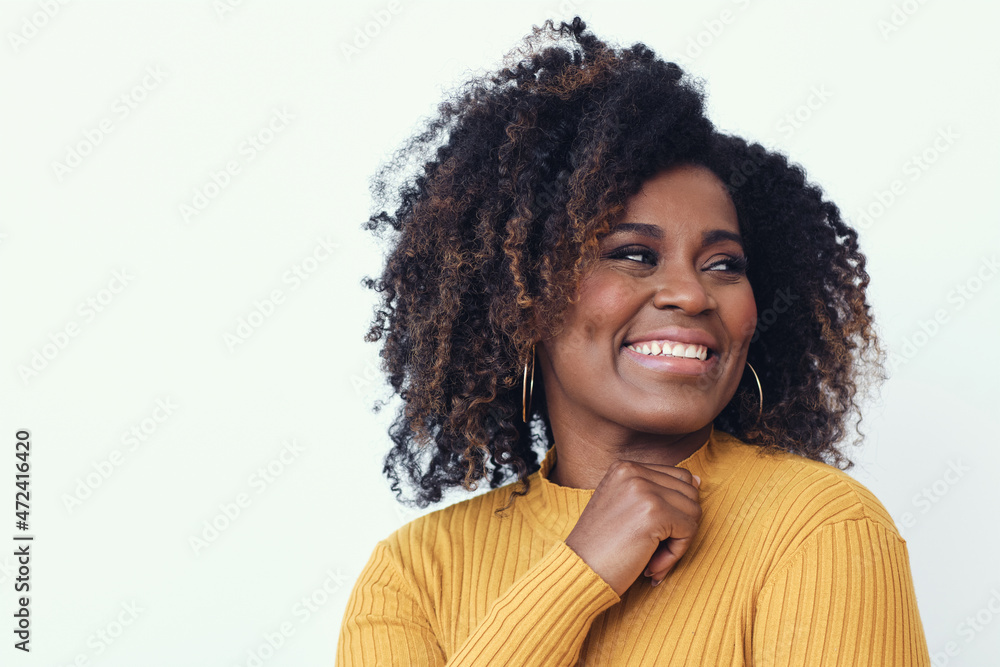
{"x":601,"y":310}
{"x":743,"y":317}
{"x":749,"y":317}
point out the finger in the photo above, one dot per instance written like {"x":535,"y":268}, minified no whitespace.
{"x":658,"y":562}
{"x":669,"y":551}
{"x":666,"y":477}
{"x":666,"y":557}
{"x":682,"y":474}
{"x":667,"y":554}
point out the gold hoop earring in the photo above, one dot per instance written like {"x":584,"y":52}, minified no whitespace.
{"x":528,"y":387}
{"x":760,"y":410}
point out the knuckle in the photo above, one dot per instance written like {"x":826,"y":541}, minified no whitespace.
{"x":622,"y":470}
{"x":634,"y":486}
{"x":648,"y":507}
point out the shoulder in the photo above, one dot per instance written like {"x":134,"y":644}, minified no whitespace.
{"x":443,"y":533}
{"x":786,"y":509}
{"x":810,"y":493}
{"x":424,"y":556}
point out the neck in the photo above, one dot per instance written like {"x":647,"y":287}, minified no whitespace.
{"x":583,"y":458}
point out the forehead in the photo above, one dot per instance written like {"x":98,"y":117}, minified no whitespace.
{"x":682,"y":197}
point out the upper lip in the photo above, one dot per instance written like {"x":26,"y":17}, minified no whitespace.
{"x":677,"y":335}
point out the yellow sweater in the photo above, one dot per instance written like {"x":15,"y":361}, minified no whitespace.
{"x":795,"y":563}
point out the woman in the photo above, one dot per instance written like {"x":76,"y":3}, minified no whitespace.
{"x":585,"y":266}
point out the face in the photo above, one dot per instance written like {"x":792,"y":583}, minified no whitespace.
{"x":657,"y":341}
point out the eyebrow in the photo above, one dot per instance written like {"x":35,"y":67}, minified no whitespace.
{"x":654,"y":231}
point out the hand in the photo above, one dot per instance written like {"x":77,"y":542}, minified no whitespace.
{"x":640,"y":520}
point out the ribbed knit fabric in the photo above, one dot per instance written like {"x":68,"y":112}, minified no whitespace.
{"x":795,"y":563}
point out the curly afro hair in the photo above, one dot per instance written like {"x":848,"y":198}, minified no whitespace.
{"x":517,"y":176}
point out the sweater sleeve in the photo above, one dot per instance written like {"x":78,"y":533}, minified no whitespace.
{"x":843,"y":597}
{"x":542,"y":619}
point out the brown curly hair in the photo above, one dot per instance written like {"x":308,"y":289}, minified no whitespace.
{"x":517,"y":176}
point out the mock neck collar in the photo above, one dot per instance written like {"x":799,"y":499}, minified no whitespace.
{"x":555,"y":509}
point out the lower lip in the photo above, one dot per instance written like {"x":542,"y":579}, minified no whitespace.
{"x":675,"y":365}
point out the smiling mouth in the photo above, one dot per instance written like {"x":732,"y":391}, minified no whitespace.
{"x":668,"y":348}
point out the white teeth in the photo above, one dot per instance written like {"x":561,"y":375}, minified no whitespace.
{"x":687,"y":351}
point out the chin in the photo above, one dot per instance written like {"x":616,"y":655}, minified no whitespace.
{"x":670,"y":424}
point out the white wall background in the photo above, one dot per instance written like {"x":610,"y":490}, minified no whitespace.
{"x":115,"y":578}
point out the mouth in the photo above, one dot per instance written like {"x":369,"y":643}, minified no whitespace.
{"x":670,"y":348}
{"x":674,"y":357}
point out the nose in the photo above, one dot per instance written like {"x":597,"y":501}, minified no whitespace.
{"x":683,"y":290}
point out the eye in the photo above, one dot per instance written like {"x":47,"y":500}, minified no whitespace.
{"x":634,"y":253}
{"x":730,"y":264}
